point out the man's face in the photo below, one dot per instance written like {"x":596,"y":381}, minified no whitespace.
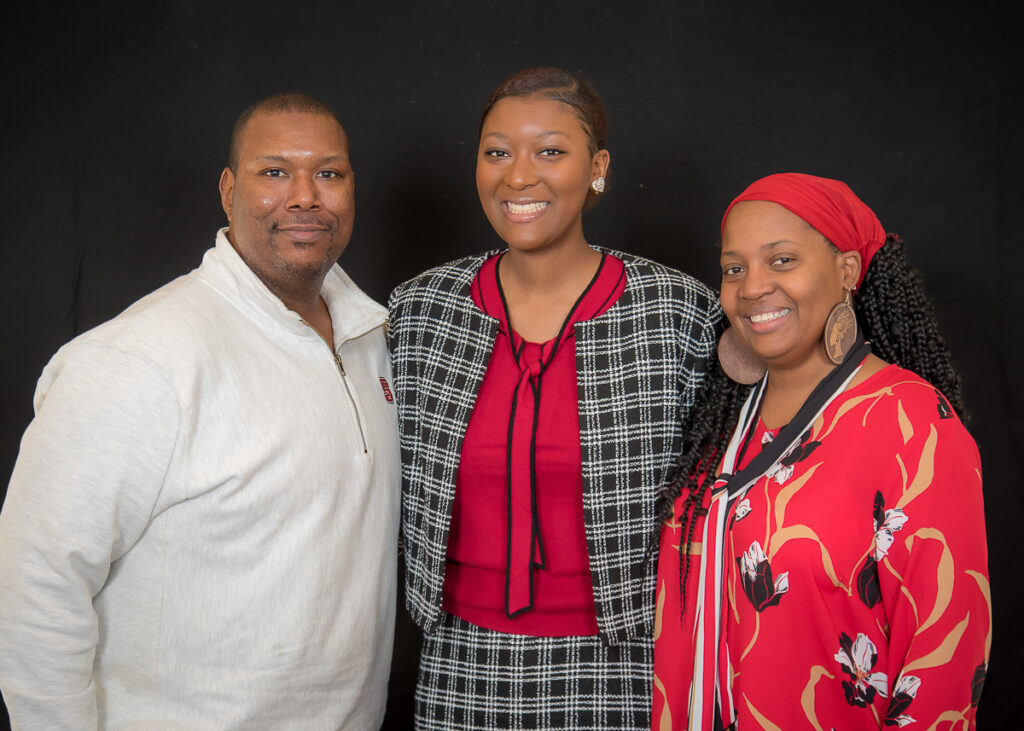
{"x":290,"y":202}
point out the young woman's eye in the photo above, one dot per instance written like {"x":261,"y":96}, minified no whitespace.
{"x":551,"y":152}
{"x":732,"y":271}
{"x":495,"y":153}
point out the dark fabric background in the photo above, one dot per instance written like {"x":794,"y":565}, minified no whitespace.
{"x":116,"y":119}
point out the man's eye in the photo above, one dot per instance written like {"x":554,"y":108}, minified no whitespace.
{"x":329,"y":174}
{"x":273,"y":173}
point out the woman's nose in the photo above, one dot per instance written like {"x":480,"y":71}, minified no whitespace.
{"x":521,"y":173}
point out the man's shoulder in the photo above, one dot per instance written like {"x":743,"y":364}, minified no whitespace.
{"x":169,"y":311}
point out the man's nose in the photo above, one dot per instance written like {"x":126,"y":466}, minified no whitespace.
{"x":303,"y":193}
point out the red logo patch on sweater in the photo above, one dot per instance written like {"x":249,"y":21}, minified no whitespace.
{"x":387,"y":390}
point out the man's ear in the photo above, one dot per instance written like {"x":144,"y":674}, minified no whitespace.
{"x":227,"y":191}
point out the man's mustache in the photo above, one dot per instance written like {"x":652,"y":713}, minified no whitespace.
{"x":305,"y":219}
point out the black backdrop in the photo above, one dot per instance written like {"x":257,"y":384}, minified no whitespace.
{"x":116,"y":120}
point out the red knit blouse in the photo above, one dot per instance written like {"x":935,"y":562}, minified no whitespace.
{"x":517,"y":555}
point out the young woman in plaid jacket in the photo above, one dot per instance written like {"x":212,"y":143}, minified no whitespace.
{"x":541,"y":391}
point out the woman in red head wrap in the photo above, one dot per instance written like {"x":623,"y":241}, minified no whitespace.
{"x":823,"y":559}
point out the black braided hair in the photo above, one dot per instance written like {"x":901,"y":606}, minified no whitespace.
{"x":897,"y":319}
{"x":708,"y":430}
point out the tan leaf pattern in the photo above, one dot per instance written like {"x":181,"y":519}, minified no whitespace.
{"x":925,"y":470}
{"x":759,"y":717}
{"x":807,"y":697}
{"x":789,"y":491}
{"x":941,"y":654}
{"x":793,"y":532}
{"x":944,"y":575}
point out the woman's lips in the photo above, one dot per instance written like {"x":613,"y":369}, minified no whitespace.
{"x":767,"y":320}
{"x":525,"y":211}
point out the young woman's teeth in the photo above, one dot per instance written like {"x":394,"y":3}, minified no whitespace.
{"x":769,"y":316}
{"x":525,"y":207}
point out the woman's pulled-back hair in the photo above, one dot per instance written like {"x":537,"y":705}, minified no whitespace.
{"x":896,"y":317}
{"x":547,"y":82}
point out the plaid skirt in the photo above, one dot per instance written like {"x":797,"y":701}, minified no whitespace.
{"x":476,"y":678}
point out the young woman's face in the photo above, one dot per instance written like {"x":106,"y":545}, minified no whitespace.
{"x":780,"y":278}
{"x":533,"y":172}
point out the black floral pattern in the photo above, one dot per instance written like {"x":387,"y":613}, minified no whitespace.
{"x":782,"y":470}
{"x":886,"y":523}
{"x":756,"y":574}
{"x":902,"y":696}
{"x":858,"y":658}
{"x":868,"y":588}
{"x":978,"y":683}
{"x":800,"y":451}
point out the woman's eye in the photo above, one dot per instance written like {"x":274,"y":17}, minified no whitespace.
{"x":782,"y":260}
{"x":731,"y":271}
{"x":552,"y":152}
{"x":495,"y":153}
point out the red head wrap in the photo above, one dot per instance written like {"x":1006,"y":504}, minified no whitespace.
{"x":828,"y":205}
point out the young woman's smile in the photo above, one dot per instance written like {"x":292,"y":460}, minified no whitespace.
{"x":534,"y":171}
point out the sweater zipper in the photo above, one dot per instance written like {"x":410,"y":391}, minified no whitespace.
{"x":351,"y":400}
{"x":348,"y":390}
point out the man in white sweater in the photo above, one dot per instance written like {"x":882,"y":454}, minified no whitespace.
{"x":200,"y":531}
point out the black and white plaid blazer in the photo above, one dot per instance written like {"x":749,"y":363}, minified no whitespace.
{"x":638,"y":367}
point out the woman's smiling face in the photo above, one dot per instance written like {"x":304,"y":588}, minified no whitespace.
{"x":534,"y":170}
{"x":780,"y":278}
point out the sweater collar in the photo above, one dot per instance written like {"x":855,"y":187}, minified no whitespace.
{"x":353,"y":313}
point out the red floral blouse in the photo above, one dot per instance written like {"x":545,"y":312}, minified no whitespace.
{"x":856,"y":582}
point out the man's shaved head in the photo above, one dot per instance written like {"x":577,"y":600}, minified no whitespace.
{"x":285,"y":102}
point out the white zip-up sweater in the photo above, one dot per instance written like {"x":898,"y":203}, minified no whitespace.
{"x":201,"y":528}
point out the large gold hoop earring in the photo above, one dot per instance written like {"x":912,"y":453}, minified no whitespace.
{"x":738,"y":363}
{"x":840,"y":330}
